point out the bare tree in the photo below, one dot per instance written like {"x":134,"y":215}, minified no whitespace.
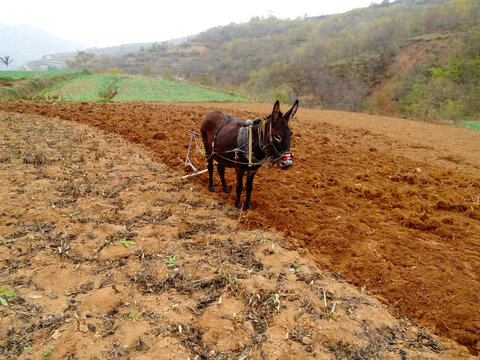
{"x":6,"y":60}
{"x":83,"y":60}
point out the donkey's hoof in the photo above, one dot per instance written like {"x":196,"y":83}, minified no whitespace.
{"x":211,"y":188}
{"x":244,"y":206}
{"x":226,"y":190}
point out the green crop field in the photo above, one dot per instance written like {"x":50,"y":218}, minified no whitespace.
{"x":22,"y":75}
{"x":149,"y":89}
{"x":82,"y":88}
{"x":93,"y":88}
{"x":111,"y":87}
{"x":474,"y":125}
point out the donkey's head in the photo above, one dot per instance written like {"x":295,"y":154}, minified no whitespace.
{"x":279,"y":149}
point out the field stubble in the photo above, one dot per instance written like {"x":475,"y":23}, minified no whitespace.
{"x":397,"y":214}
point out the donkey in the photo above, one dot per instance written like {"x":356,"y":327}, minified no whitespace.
{"x":226,"y":140}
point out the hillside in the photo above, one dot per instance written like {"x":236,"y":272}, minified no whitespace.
{"x":26,"y":43}
{"x":58,"y":61}
{"x":354,"y":61}
{"x":412,"y":58}
{"x":105,"y":56}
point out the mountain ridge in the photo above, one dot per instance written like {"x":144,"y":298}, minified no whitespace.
{"x":25,"y":43}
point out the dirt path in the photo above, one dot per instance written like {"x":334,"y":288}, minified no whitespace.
{"x":392,"y":205}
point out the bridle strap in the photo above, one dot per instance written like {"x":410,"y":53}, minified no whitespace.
{"x":262,"y":136}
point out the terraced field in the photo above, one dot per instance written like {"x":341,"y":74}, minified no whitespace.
{"x":148,"y":89}
{"x":120,"y":88}
{"x":21,"y":75}
{"x":84,"y":88}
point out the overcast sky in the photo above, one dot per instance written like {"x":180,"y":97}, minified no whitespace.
{"x":107,"y":23}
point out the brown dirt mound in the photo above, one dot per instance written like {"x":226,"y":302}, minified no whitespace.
{"x":392,"y":205}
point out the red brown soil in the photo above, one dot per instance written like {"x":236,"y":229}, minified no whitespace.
{"x":113,"y":256}
{"x":391,"y":205}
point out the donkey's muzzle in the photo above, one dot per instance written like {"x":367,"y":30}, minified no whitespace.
{"x":286,"y":162}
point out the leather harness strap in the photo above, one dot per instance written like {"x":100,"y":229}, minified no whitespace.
{"x":227,"y":121}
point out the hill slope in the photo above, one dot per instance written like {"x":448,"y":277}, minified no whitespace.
{"x":104,"y":55}
{"x":353,"y":61}
{"x":344,"y":61}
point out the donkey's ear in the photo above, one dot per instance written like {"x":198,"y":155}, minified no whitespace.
{"x":291,"y":113}
{"x":276,"y":111}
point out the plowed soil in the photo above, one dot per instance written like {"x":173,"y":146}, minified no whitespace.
{"x":392,"y":205}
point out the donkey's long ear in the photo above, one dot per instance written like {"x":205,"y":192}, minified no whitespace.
{"x":276,"y":111}
{"x":291,"y":113}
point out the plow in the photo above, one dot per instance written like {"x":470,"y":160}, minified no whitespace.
{"x":188,"y":162}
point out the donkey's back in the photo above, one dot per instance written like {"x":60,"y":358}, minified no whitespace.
{"x":214,"y":123}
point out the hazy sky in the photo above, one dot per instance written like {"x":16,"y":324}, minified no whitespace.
{"x":108,"y":23}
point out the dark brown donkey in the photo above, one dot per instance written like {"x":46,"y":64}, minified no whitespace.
{"x":226,"y":140}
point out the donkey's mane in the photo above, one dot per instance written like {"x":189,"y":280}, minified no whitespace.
{"x":258,"y":121}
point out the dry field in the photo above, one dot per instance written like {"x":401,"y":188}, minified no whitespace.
{"x":113,"y":256}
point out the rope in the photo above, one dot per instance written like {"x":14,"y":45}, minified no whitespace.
{"x":236,"y":161}
{"x":207,"y":157}
{"x":202,"y":152}
{"x":261,"y":135}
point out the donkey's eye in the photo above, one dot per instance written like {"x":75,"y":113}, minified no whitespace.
{"x":277,"y":138}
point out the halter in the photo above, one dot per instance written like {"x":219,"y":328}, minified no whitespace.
{"x":262,"y":136}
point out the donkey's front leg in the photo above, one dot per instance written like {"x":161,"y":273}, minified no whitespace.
{"x":221,"y":172}
{"x":239,"y":172}
{"x":250,"y":176}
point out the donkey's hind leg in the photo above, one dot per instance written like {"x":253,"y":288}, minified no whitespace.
{"x":221,"y":172}
{"x":239,"y":189}
{"x":211,"y":188}
{"x":249,"y":187}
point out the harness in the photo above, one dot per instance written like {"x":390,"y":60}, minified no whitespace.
{"x":245,"y":140}
{"x":225,"y":123}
